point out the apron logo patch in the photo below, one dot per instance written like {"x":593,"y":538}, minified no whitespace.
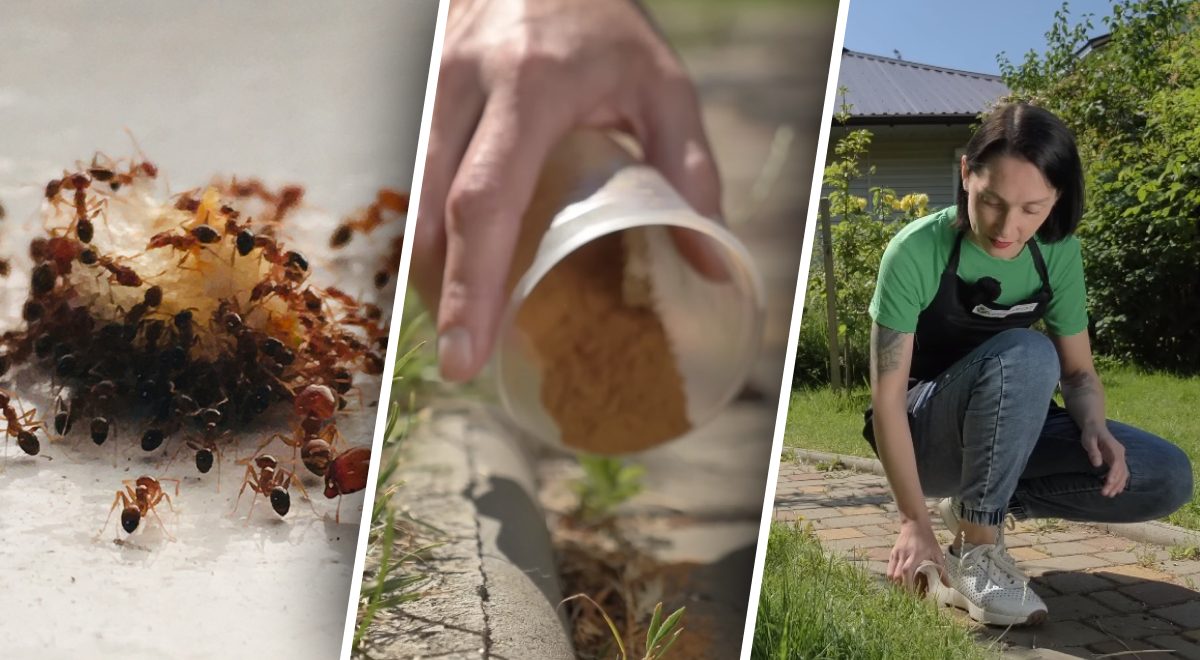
{"x":988,"y":312}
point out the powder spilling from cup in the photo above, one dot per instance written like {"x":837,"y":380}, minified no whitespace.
{"x":609,"y":377}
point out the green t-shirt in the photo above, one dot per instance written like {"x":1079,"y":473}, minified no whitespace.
{"x":915,"y":258}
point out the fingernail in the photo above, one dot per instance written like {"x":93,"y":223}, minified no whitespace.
{"x":455,"y":354}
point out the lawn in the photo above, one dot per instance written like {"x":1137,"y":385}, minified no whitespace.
{"x":1161,"y":403}
{"x":814,"y":605}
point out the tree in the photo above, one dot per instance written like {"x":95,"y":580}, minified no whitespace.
{"x":859,"y":237}
{"x":1134,"y":106}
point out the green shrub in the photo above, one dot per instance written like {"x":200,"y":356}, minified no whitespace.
{"x":860,"y":232}
{"x":1134,"y":105}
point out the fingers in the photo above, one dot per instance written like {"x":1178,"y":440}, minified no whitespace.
{"x":676,"y":145}
{"x":485,"y":205}
{"x":1118,"y":470}
{"x":1115,"y":482}
{"x":457,"y":109}
{"x":701,"y":252}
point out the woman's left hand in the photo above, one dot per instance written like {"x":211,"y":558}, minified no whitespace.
{"x":1104,"y":449}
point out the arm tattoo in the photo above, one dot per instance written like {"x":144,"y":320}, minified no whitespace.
{"x":1079,"y":384}
{"x":888,"y":345}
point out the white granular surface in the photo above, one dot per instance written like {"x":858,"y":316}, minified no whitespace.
{"x":292,"y":92}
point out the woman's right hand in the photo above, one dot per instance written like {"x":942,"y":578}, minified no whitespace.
{"x":915,"y":545}
{"x":515,"y":77}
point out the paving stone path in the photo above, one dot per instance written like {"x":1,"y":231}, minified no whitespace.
{"x":1108,"y":596}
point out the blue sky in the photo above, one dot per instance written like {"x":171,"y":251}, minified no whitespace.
{"x":959,"y":34}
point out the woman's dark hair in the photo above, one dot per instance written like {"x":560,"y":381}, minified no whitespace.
{"x":1036,"y":135}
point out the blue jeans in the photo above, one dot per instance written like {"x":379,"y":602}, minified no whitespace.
{"x":982,"y":433}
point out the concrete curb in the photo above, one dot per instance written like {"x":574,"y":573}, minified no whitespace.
{"x":494,"y":589}
{"x":1153,"y":532}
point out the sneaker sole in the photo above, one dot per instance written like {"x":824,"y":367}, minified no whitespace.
{"x":950,"y":597}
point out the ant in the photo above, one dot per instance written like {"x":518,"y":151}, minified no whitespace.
{"x":205,"y":445}
{"x":271,"y":480}
{"x":289,"y":198}
{"x":317,"y":401}
{"x":64,"y":416}
{"x":185,"y":328}
{"x":62,"y":251}
{"x":189,"y":243}
{"x":23,"y":426}
{"x":347,"y":473}
{"x":118,"y":274}
{"x":79,"y":183}
{"x":43,"y":279}
{"x":385,"y":199}
{"x":139,"y":498}
{"x":313,"y":443}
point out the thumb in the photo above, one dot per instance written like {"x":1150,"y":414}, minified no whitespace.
{"x":1093,"y":451}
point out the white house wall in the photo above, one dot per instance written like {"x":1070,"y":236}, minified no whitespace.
{"x":910,"y":159}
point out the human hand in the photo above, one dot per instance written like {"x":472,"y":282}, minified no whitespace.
{"x":915,"y":545}
{"x":515,"y":78}
{"x":1104,"y":449}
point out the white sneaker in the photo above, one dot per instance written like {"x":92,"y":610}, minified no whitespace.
{"x":986,"y":582}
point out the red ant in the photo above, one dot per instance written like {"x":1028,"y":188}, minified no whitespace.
{"x":62,"y":251}
{"x":79,"y":183}
{"x":289,"y":198}
{"x":313,"y":443}
{"x":118,"y":274}
{"x":189,"y":243}
{"x":347,"y":473}
{"x":107,"y":172}
{"x":22,"y":426}
{"x":139,"y":498}
{"x":385,"y":199}
{"x":272,"y":481}
{"x":315,"y":401}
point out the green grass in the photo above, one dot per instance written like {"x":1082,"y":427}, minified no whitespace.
{"x":398,"y":576}
{"x":1160,"y":403}
{"x":818,"y":606}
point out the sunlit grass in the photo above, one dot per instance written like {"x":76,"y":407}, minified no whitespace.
{"x":816,"y":605}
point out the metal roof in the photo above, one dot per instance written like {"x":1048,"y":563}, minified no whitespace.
{"x":891,"y":89}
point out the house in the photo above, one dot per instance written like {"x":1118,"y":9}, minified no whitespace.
{"x":921,"y":117}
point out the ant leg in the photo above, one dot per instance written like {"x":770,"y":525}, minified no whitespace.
{"x":30,"y":421}
{"x":220,"y":458}
{"x":303,"y":490}
{"x":160,"y":522}
{"x":246,"y":481}
{"x":182,"y":445}
{"x":258,"y":452}
{"x":177,"y":482}
{"x":112,"y":437}
{"x":253,"y":501}
{"x":122,"y":499}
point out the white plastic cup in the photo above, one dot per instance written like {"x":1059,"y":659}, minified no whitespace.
{"x":592,"y":187}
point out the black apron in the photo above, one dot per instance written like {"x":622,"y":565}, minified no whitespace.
{"x":961,"y":318}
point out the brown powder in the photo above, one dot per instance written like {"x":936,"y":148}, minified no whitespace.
{"x":609,"y":378}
